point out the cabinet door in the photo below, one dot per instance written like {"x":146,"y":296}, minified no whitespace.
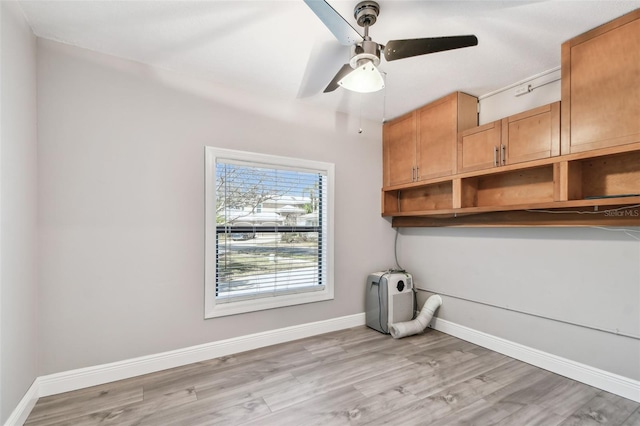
{"x":479,"y":148}
{"x":437,"y":133}
{"x":601,"y":87}
{"x":532,"y":135}
{"x":399,"y":150}
{"x":438,"y":127}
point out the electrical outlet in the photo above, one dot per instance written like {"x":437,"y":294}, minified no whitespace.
{"x":522,"y":90}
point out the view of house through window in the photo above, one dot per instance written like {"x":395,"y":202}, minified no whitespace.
{"x":272,"y":237}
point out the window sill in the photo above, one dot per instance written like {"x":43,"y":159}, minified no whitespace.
{"x":263,"y":303}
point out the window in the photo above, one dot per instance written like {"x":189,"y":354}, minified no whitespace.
{"x":269,"y":232}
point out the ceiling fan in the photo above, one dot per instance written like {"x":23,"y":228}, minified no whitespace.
{"x":361,"y":73}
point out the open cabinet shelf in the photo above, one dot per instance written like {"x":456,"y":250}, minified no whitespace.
{"x":524,"y":186}
{"x":601,"y":187}
{"x":616,"y":175}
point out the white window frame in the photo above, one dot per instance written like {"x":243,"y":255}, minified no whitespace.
{"x":213,"y":309}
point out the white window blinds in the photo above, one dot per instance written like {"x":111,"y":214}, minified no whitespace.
{"x":271,"y":230}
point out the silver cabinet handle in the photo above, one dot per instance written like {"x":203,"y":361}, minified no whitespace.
{"x":503,"y":154}
{"x":417,"y":173}
{"x":495,"y":156}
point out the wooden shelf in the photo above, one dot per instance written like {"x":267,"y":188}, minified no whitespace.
{"x":613,"y":215}
{"x":591,"y":206}
{"x":584,"y":188}
{"x":522,"y":186}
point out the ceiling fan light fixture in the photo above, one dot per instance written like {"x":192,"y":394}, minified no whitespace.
{"x":365,"y":54}
{"x":365,"y":78}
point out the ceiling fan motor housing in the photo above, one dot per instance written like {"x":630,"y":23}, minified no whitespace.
{"x":366,"y":51}
{"x":366,"y":13}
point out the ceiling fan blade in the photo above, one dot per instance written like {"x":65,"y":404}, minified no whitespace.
{"x":324,"y":59}
{"x":340,"y":28}
{"x":333,"y":85}
{"x":399,"y":49}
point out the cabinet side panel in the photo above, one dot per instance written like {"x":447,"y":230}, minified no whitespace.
{"x":390,"y":204}
{"x":555,"y":129}
{"x":467,"y":112}
{"x":560,"y":181}
{"x":565,"y":104}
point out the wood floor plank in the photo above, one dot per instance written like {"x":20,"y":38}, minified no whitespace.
{"x":534,"y":391}
{"x":181,"y":379}
{"x":206,"y":412}
{"x":424,"y":411}
{"x":427,"y":363}
{"x":372,"y":408}
{"x":451,"y":375}
{"x":633,"y":419}
{"x":391,"y":379}
{"x":352,"y":368}
{"x":511,"y":371}
{"x":335,"y":407}
{"x":531,"y":415}
{"x":340,"y":338}
{"x":237,"y":390}
{"x":519,"y":379}
{"x":483,"y":413}
{"x":355,"y":376}
{"x":131,"y":414}
{"x":383,"y":346}
{"x":567,"y":397}
{"x":284,"y":398}
{"x":603,"y":409}
{"x":331,"y":377}
{"x":457,"y":397}
{"x":58,"y":409}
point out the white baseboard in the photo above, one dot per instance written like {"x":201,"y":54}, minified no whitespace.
{"x":26,"y":404}
{"x":610,"y":382}
{"x":91,"y":376}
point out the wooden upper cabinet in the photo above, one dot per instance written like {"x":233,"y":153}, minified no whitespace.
{"x":479,"y":147}
{"x":601,"y":86}
{"x":399,"y":150}
{"x":530,"y":135}
{"x":422,"y":144}
{"x":438,"y":127}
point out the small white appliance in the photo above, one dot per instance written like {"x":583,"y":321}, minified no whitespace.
{"x":389,"y":299}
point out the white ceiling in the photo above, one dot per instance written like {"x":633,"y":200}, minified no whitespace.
{"x":281,"y":49}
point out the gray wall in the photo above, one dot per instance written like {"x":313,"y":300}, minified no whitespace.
{"x":585,"y":276}
{"x":121,"y":175}
{"x":18,"y":199}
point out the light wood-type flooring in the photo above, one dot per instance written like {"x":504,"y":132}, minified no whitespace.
{"x":354,"y":376}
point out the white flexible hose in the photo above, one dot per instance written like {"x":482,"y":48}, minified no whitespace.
{"x":408,"y":328}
